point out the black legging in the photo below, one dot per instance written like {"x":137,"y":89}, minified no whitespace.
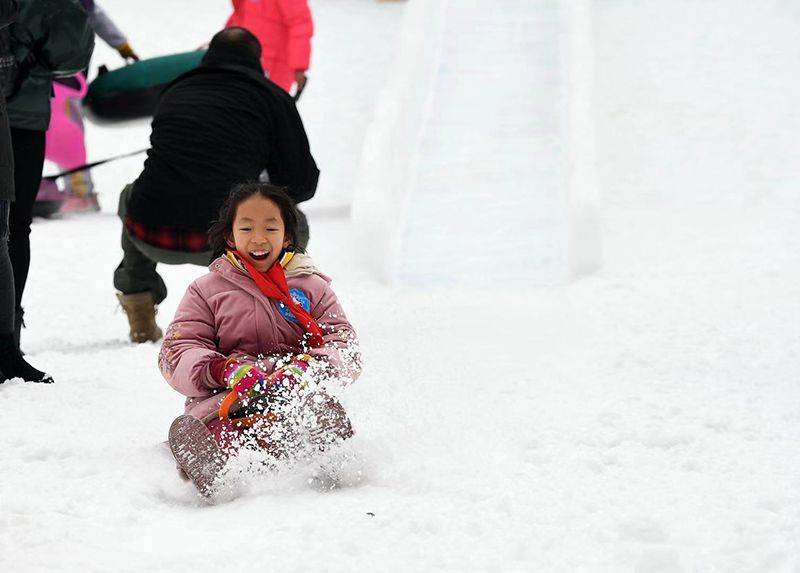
{"x":6,"y":274}
{"x":28,"y":148}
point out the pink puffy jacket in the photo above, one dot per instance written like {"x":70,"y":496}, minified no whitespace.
{"x":224,"y":314}
{"x":284,"y":28}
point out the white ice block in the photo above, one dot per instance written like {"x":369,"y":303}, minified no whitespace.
{"x":479,"y":166}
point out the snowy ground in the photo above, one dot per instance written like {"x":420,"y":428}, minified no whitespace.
{"x":644,"y":418}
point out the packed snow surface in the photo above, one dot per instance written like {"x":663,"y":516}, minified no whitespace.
{"x":646,"y":417}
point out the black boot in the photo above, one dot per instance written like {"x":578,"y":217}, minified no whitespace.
{"x":13,"y":365}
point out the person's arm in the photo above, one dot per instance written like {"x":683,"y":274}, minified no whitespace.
{"x":9,"y":67}
{"x":69,"y":39}
{"x":189,"y":349}
{"x":8,"y":12}
{"x":290,"y":162}
{"x":300,"y":28}
{"x":340,"y":352}
{"x":233,"y":19}
{"x":108,"y":31}
{"x":105,"y":28}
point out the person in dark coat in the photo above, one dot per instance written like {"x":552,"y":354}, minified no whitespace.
{"x":12,"y":363}
{"x":220,"y":124}
{"x":50,"y":39}
{"x":65,"y":145}
{"x":8,"y":72}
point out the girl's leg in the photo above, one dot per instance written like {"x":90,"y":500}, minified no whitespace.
{"x":227,"y":436}
{"x":196,"y":452}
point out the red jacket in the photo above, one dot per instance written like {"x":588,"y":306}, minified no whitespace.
{"x":284,"y":28}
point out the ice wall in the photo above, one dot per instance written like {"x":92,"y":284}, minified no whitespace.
{"x":478,"y":166}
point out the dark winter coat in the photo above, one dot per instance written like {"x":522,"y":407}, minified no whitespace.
{"x":51,"y":38}
{"x":218,"y":125}
{"x":8,"y":13}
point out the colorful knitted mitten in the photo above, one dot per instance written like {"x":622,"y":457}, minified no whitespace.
{"x":248,"y":380}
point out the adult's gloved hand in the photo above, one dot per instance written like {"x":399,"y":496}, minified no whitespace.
{"x":127,"y":52}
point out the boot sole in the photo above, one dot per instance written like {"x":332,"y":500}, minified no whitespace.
{"x":329,"y":422}
{"x":196,"y":452}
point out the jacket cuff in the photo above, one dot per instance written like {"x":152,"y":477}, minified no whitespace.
{"x":215,"y":371}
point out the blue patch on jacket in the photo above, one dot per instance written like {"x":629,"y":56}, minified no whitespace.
{"x":300,"y":298}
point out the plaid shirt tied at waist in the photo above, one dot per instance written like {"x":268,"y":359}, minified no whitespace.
{"x":169,"y":238}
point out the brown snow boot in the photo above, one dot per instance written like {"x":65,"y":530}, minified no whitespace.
{"x":141,"y":311}
{"x":326,"y":420}
{"x":196,"y":452}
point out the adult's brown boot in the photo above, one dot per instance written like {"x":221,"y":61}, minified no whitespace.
{"x":141,"y":311}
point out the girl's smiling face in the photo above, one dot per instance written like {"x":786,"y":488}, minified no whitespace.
{"x":258,"y":232}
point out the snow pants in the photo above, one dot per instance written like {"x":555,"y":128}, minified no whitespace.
{"x":65,"y":145}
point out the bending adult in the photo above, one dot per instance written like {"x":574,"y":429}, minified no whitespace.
{"x":50,"y":38}
{"x":220,"y":124}
{"x":284,"y":28}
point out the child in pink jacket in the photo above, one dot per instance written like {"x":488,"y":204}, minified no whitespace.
{"x":284,"y":28}
{"x":263,"y":321}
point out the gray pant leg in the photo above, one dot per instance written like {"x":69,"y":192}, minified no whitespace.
{"x":303,"y":233}
{"x":137,"y":273}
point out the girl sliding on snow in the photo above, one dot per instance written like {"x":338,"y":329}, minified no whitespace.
{"x":255,"y":342}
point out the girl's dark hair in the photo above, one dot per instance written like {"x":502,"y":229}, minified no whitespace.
{"x":222,"y":228}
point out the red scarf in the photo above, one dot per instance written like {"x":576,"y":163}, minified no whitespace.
{"x":273,"y":284}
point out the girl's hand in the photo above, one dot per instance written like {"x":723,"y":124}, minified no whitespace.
{"x":247,"y":379}
{"x":244,"y":378}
